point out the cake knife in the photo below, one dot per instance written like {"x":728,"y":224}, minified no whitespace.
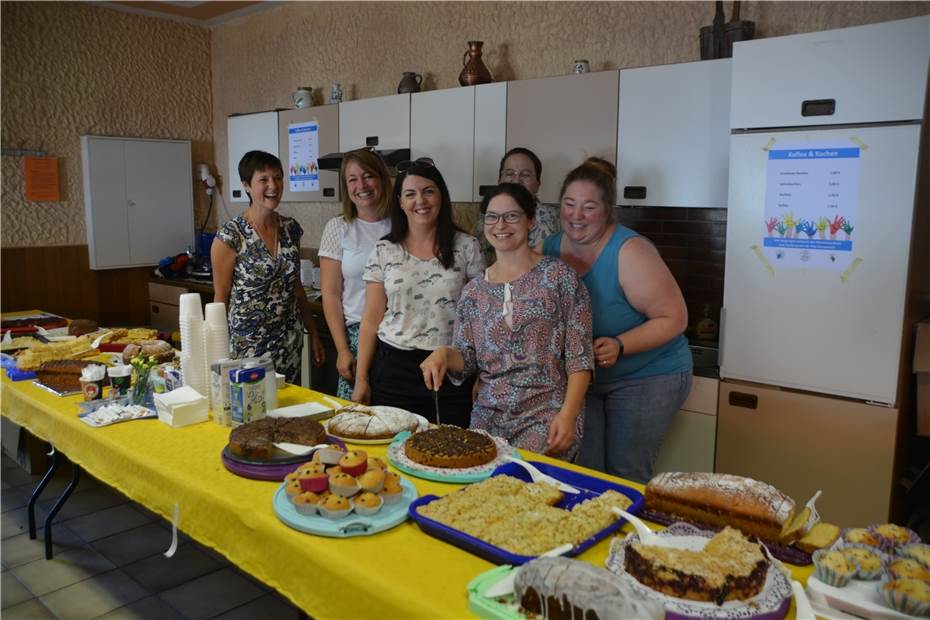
{"x":436,"y":401}
{"x":505,"y":585}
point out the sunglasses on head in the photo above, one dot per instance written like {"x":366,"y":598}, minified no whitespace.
{"x":424,"y":162}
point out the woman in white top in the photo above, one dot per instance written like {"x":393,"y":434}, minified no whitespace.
{"x":348,"y":240}
{"x":414,"y":278}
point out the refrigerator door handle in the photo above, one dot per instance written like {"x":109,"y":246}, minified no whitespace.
{"x":722,"y":344}
{"x":742,"y":399}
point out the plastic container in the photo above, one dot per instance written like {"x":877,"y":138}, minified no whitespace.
{"x":246,"y":395}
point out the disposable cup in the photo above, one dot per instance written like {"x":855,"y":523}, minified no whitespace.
{"x":215,"y":313}
{"x":189,"y":306}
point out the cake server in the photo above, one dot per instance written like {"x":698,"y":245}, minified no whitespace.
{"x":298,"y":449}
{"x":505,"y":585}
{"x":538,"y":476}
{"x":646,"y":535}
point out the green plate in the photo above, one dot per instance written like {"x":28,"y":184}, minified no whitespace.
{"x":397,"y":458}
{"x":491,"y":608}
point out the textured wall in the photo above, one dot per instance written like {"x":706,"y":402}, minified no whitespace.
{"x":73,"y":68}
{"x":260,"y":59}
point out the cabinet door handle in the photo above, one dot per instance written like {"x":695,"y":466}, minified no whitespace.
{"x":371,"y":141}
{"x":130,"y":203}
{"x":742,"y":399}
{"x":155,"y":310}
{"x":818,"y":107}
{"x":637,"y":192}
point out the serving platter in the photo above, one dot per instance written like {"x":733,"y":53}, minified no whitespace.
{"x":859,"y":597}
{"x":772,"y":603}
{"x":422,"y":425}
{"x":464,"y":475}
{"x":274,"y":469}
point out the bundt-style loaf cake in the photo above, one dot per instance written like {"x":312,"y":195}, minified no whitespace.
{"x":565,"y":589}
{"x":62,"y":375}
{"x":255,"y":440}
{"x":450,"y":447}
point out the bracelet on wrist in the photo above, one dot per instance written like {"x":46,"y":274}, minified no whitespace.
{"x":620,"y":354}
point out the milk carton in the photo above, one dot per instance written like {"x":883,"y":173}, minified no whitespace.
{"x":247,"y":395}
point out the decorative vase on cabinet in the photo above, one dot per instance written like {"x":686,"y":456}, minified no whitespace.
{"x":473,"y":71}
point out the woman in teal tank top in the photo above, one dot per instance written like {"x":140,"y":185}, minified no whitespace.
{"x":643,"y":364}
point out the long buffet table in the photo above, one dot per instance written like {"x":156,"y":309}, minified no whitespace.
{"x":400,"y":573}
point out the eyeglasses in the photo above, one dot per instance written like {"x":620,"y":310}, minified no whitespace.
{"x":424,"y":162}
{"x":522,"y":175}
{"x":511,"y":217}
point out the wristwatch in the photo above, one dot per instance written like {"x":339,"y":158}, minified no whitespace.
{"x":620,"y":354}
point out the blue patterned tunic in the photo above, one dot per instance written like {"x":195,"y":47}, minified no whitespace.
{"x":263,"y":312}
{"x":524,"y":368}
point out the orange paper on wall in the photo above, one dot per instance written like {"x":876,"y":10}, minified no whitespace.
{"x":41,"y":174}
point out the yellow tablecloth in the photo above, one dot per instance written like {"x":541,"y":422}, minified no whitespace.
{"x":401,"y":573}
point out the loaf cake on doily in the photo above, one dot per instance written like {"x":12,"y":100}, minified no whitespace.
{"x":360,"y":422}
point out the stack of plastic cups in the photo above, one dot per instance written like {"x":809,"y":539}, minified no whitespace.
{"x":193,"y":357}
{"x":215,"y":336}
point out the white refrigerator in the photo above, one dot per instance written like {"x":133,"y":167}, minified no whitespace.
{"x":825,"y":134}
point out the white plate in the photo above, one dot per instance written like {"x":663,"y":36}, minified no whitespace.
{"x":422,"y":425}
{"x":315,"y":410}
{"x":858,"y":597}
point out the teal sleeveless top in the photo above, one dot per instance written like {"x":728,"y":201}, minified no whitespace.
{"x":614,"y":315}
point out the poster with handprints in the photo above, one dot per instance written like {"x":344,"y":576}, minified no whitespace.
{"x":303,"y":146}
{"x":811,"y":202}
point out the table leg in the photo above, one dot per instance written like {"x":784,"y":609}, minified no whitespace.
{"x":31,"y":507}
{"x":75,"y":477}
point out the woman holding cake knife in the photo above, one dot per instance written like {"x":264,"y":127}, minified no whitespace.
{"x":524,"y":328}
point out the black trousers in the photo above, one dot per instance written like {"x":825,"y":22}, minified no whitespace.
{"x":397,"y":381}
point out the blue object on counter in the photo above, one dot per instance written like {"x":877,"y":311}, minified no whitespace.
{"x":204,"y":243}
{"x":591,"y":487}
{"x":15,"y":374}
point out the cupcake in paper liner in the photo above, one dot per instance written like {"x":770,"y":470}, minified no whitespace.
{"x":894,"y":536}
{"x":335,"y":507}
{"x":833,"y":567}
{"x":292,"y":488}
{"x":392,"y":494}
{"x":306,"y":503}
{"x":909,"y":596}
{"x":906,"y":568}
{"x":367,"y":504}
{"x":917,"y":551}
{"x":862,"y":536}
{"x":869,"y":561}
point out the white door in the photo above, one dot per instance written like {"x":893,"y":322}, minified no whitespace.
{"x":442,"y":127}
{"x":490,"y":134}
{"x":381,"y":121}
{"x":105,"y":202}
{"x":795,"y":319}
{"x":244,"y":133}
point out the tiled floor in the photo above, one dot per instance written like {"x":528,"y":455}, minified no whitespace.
{"x":109,"y":562}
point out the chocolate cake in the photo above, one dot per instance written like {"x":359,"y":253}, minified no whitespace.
{"x":256,"y":440}
{"x":450,"y":447}
{"x":62,"y":375}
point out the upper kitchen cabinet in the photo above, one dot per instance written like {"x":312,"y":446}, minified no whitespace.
{"x":818,"y":78}
{"x":138,"y":200}
{"x":563,"y":120}
{"x":674,"y":136}
{"x":462,"y":130}
{"x":382,"y":121}
{"x":248,"y":132}
{"x":304,"y":135}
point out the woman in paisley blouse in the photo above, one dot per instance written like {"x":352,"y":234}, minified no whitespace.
{"x":256,"y":272}
{"x":414,"y":278}
{"x":525,"y":329}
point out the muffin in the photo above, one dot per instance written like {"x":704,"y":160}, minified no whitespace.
{"x":862,"y":536}
{"x":867,"y":560}
{"x":354,"y":462}
{"x":368,"y":503}
{"x":306,"y":503}
{"x":392,"y":494}
{"x":833,"y":567}
{"x":908,"y":568}
{"x":391,"y":478}
{"x":328,"y":456}
{"x":334,"y":507}
{"x":315,"y":483}
{"x":909,"y":596}
{"x":343,"y":484}
{"x":376,"y":463}
{"x":918,"y":552}
{"x":332,"y":471}
{"x":372,"y":480}
{"x":293,"y":488}
{"x":895,"y":534}
{"x":291,"y":476}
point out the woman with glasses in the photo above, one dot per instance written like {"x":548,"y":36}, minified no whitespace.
{"x":521,"y":165}
{"x":414,"y":278}
{"x":643,"y":364}
{"x":525,"y":329}
{"x":347,"y":242}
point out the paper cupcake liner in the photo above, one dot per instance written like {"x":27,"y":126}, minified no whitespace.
{"x":901,"y":601}
{"x":863,"y":573}
{"x":890,"y":545}
{"x":887,"y":568}
{"x":916,"y":551}
{"x":828,"y":575}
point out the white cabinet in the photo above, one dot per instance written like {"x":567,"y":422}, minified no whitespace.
{"x":563,"y":120}
{"x":382,"y":121}
{"x":462,"y":130}
{"x":290,"y":122}
{"x":689,"y":443}
{"x":248,"y":132}
{"x":673,"y":142}
{"x":138,"y":200}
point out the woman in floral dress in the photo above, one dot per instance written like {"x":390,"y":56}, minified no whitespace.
{"x":525,"y":329}
{"x":256,"y":272}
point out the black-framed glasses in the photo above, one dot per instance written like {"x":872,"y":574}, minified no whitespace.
{"x":511,"y":217}
{"x":425,"y":162}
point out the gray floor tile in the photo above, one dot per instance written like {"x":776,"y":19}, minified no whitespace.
{"x":95,"y":596}
{"x":12,"y":592}
{"x":44,"y":576}
{"x":13,"y":498}
{"x":211,"y":594}
{"x":268,"y":607}
{"x":20,"y":550}
{"x":30,"y":610}
{"x":15,"y":522}
{"x":17,"y":476}
{"x":213,"y":553}
{"x":151,"y":608}
{"x":85,"y":502}
{"x":257,"y":583}
{"x":141,"y":542}
{"x":107,"y":522}
{"x":159,"y":573}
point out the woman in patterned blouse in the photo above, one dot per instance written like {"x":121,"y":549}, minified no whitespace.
{"x":525,"y":328}
{"x":414,"y":278}
{"x":256,"y":272}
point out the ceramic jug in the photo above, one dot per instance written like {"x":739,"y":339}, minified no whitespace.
{"x":409,"y":83}
{"x":474,"y":72}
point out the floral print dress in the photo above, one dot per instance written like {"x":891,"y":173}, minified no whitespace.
{"x":524,"y":338}
{"x":263,"y":312}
